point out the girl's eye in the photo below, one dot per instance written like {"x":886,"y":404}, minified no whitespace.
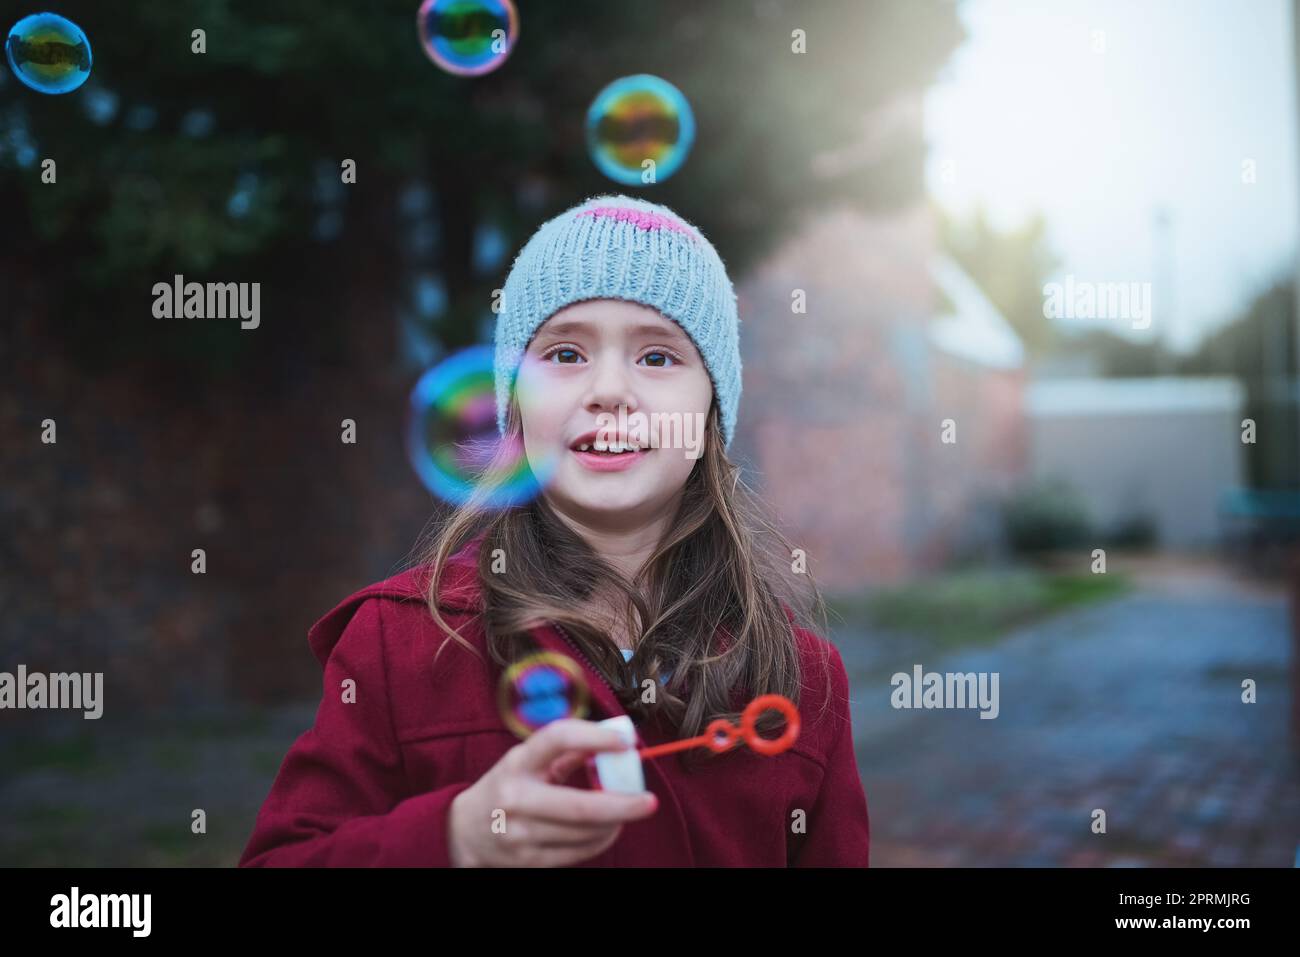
{"x":659,"y":360}
{"x":564,"y":356}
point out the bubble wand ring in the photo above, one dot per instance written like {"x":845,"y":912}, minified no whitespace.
{"x":721,"y":735}
{"x":541,"y":659}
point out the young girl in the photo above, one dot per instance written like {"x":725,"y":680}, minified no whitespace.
{"x":643,"y":560}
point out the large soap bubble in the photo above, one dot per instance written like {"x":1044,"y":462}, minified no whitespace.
{"x":48,"y":53}
{"x":453,"y":442}
{"x":468,"y":37}
{"x":635,"y":119}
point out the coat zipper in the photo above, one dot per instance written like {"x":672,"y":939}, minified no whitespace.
{"x":581,"y":654}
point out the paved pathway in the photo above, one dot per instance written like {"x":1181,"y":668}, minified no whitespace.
{"x":1133,"y":706}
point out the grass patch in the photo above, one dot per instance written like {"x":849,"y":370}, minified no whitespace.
{"x":223,"y":726}
{"x":1234,"y":672}
{"x":975,"y":607}
{"x":175,"y":756}
{"x":78,"y":753}
{"x":54,"y":816}
{"x":48,"y":850}
{"x":266,"y":761}
{"x":173,"y":840}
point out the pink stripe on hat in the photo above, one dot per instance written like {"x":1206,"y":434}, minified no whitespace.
{"x":638,"y":218}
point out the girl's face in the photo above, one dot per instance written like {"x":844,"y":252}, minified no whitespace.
{"x":588,"y":361}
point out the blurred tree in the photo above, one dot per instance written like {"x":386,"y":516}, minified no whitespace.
{"x":1258,"y":347}
{"x":1256,"y":344}
{"x":1010,"y":266}
{"x":223,"y":165}
{"x":1114,"y":354}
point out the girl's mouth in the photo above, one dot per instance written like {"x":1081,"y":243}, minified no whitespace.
{"x":606,"y":461}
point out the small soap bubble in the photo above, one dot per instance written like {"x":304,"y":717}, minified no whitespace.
{"x":100,"y":105}
{"x":48,"y":53}
{"x":468,"y":37}
{"x":453,"y":442}
{"x":140,"y":118}
{"x":241,"y":200}
{"x":328,"y":226}
{"x":429,"y":296}
{"x":639,"y":118}
{"x":539,"y":689}
{"x":197,"y":124}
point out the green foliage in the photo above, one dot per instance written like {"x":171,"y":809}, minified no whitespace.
{"x":1256,"y":346}
{"x":1046,"y":515}
{"x":1136,"y":531}
{"x":1010,"y":266}
{"x":1259,"y":349}
{"x":296,"y":84}
{"x":1258,"y":343}
{"x":1117,"y":355}
{"x":974,"y":607}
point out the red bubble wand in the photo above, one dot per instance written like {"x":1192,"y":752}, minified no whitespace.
{"x":721,"y":735}
{"x":621,"y":770}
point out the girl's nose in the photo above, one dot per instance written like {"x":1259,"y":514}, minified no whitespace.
{"x":610,"y":387}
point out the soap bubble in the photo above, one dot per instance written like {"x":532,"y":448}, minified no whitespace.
{"x":241,"y":200}
{"x":539,"y":689}
{"x":48,"y":53}
{"x":453,"y":442}
{"x":639,"y":118}
{"x":197,"y":124}
{"x":468,"y":37}
{"x":140,"y":118}
{"x":100,"y":105}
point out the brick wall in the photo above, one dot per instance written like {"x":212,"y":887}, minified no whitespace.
{"x":839,"y":424}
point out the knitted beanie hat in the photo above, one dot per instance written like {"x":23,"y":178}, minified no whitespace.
{"x":620,"y":247}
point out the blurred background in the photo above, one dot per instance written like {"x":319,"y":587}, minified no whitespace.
{"x":1017,"y":286}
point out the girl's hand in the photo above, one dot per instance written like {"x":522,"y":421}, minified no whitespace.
{"x":541,"y":823}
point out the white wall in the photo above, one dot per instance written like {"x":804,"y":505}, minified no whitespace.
{"x":1167,"y":447}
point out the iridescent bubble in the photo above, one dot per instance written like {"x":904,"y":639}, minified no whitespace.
{"x":49,"y":53}
{"x":539,"y":689}
{"x":241,"y":200}
{"x":639,"y":118}
{"x":140,"y":118}
{"x":452,"y":438}
{"x":468,"y":37}
{"x":197,"y":124}
{"x":100,"y":105}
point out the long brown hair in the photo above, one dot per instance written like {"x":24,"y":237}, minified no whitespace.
{"x":721,"y":569}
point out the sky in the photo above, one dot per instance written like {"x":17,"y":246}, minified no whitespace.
{"x":1099,"y":112}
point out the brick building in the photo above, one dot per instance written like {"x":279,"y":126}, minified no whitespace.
{"x":841,"y":423}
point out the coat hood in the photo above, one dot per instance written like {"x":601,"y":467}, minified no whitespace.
{"x":459,"y":591}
